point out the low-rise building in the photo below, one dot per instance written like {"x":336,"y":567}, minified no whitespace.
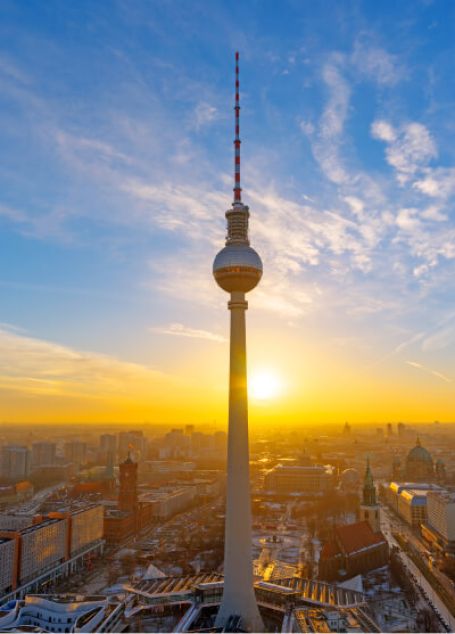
{"x":355,"y":620}
{"x":118,"y":525}
{"x":63,"y":613}
{"x":167,"y":501}
{"x":309,"y":481}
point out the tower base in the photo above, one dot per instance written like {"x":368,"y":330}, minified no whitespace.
{"x":240,"y":613}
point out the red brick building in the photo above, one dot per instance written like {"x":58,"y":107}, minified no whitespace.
{"x":354,"y":549}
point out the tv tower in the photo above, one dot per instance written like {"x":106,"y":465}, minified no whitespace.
{"x":237,"y":269}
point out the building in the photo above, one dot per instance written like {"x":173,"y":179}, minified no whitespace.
{"x":353,"y":549}
{"x":350,"y":480}
{"x":439,"y":529}
{"x":43,"y":454}
{"x":8,"y":562}
{"x":87,"y":526}
{"x":127,"y":498}
{"x":124,"y":519}
{"x":166,"y":502}
{"x":299,"y":480}
{"x":132,"y":442}
{"x":440,"y":471}
{"x":108,"y":452}
{"x":48,"y":547}
{"x":412,"y":506}
{"x":76,"y":452}
{"x":15,"y":522}
{"x":409,"y":500}
{"x":108,"y":443}
{"x":118,"y":525}
{"x":419,"y":464}
{"x":190,"y":604}
{"x":237,"y":269}
{"x":43,"y":546}
{"x":11,"y":494}
{"x":353,"y":620}
{"x":63,"y":613}
{"x":369,"y":509}
{"x":16,"y":462}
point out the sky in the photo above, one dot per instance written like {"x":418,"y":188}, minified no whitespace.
{"x":116,"y":161}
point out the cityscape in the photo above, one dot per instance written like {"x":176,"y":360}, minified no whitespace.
{"x":238,"y":429}
{"x":352,"y":530}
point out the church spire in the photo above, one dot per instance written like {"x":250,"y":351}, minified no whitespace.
{"x":369,"y":490}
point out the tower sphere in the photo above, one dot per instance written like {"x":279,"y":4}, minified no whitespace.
{"x":237,"y":267}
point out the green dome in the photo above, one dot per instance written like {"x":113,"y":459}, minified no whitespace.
{"x":419,"y":454}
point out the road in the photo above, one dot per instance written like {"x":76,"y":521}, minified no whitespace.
{"x":30,"y":507}
{"x":391,"y":523}
{"x":398,"y":525}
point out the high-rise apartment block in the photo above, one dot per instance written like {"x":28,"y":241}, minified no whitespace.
{"x":44,"y":454}
{"x":108,"y":443}
{"x":134,"y":442}
{"x":76,"y":452}
{"x":15,"y":462}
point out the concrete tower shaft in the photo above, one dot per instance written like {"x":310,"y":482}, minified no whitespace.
{"x":237,"y":269}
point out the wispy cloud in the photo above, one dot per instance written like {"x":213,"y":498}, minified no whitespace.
{"x":41,"y":367}
{"x":204,"y":114}
{"x":440,"y":338}
{"x":377,"y":64}
{"x":438,"y":182}
{"x":88,"y":148}
{"x":435,"y":373}
{"x":326,"y":144}
{"x":409,"y":148}
{"x":179,"y":330}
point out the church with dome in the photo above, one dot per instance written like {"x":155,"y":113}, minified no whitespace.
{"x":419,"y":465}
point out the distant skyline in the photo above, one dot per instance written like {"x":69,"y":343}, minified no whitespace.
{"x":116,"y":165}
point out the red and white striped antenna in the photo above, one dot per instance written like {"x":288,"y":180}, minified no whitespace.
{"x":237,"y":188}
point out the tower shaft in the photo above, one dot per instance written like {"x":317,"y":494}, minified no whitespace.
{"x":238,"y":593}
{"x":237,"y":270}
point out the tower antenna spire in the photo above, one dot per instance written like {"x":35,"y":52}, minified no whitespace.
{"x":237,"y":188}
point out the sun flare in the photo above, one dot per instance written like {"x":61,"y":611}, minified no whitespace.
{"x":265,"y":385}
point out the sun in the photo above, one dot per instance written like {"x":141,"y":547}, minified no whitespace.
{"x":265,"y":385}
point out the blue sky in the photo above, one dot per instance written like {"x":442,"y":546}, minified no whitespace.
{"x":116,"y":169}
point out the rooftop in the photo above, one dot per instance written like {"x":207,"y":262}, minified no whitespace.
{"x":352,"y":538}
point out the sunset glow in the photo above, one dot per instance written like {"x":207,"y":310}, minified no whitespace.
{"x":265,"y":385}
